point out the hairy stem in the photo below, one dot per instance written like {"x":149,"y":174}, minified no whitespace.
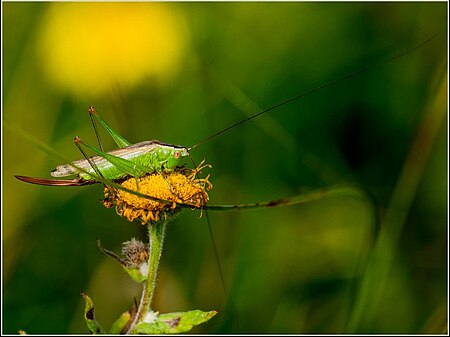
{"x":156,"y":233}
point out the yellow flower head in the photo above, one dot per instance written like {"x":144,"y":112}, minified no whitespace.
{"x":175,"y":188}
{"x":90,"y":48}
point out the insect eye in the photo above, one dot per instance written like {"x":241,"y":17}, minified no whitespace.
{"x":177,"y":154}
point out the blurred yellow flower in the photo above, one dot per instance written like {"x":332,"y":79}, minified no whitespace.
{"x":88,"y":48}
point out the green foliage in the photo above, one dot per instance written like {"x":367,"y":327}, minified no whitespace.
{"x":175,"y":322}
{"x":89,"y":316}
{"x":140,"y":319}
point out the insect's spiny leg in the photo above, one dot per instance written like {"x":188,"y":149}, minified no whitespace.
{"x":118,"y":139}
{"x":136,"y":178}
{"x":93,"y":112}
{"x":78,"y":142}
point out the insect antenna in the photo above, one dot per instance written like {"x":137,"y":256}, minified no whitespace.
{"x":193,"y":163}
{"x":312,"y":91}
{"x":228,"y":298}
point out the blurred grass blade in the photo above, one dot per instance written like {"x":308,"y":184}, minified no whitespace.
{"x":376,"y":277}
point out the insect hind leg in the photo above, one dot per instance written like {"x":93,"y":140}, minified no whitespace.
{"x":118,"y":139}
{"x":78,"y":142}
{"x":92,"y":113}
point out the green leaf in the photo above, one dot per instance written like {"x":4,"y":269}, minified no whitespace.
{"x":89,"y":317}
{"x":176,"y":322}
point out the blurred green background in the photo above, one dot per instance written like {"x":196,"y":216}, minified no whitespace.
{"x":180,"y":72}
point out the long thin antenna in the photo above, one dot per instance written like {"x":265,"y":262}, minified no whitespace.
{"x":228,"y":297}
{"x":309,"y":92}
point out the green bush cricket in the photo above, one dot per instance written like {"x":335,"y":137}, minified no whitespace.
{"x":145,"y":157}
{"x":142,"y":158}
{"x":130,"y":159}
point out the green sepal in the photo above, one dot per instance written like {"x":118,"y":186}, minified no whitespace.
{"x":120,"y":326}
{"x":135,"y":273}
{"x":93,"y":326}
{"x":175,"y":322}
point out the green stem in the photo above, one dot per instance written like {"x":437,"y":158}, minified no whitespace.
{"x":156,"y":234}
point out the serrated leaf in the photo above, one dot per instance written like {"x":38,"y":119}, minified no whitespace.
{"x":176,"y":322}
{"x":89,"y":317}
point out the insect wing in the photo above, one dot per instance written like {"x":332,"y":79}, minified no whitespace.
{"x":121,"y":158}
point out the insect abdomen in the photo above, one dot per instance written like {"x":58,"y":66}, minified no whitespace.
{"x":147,"y":161}
{"x":63,"y":171}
